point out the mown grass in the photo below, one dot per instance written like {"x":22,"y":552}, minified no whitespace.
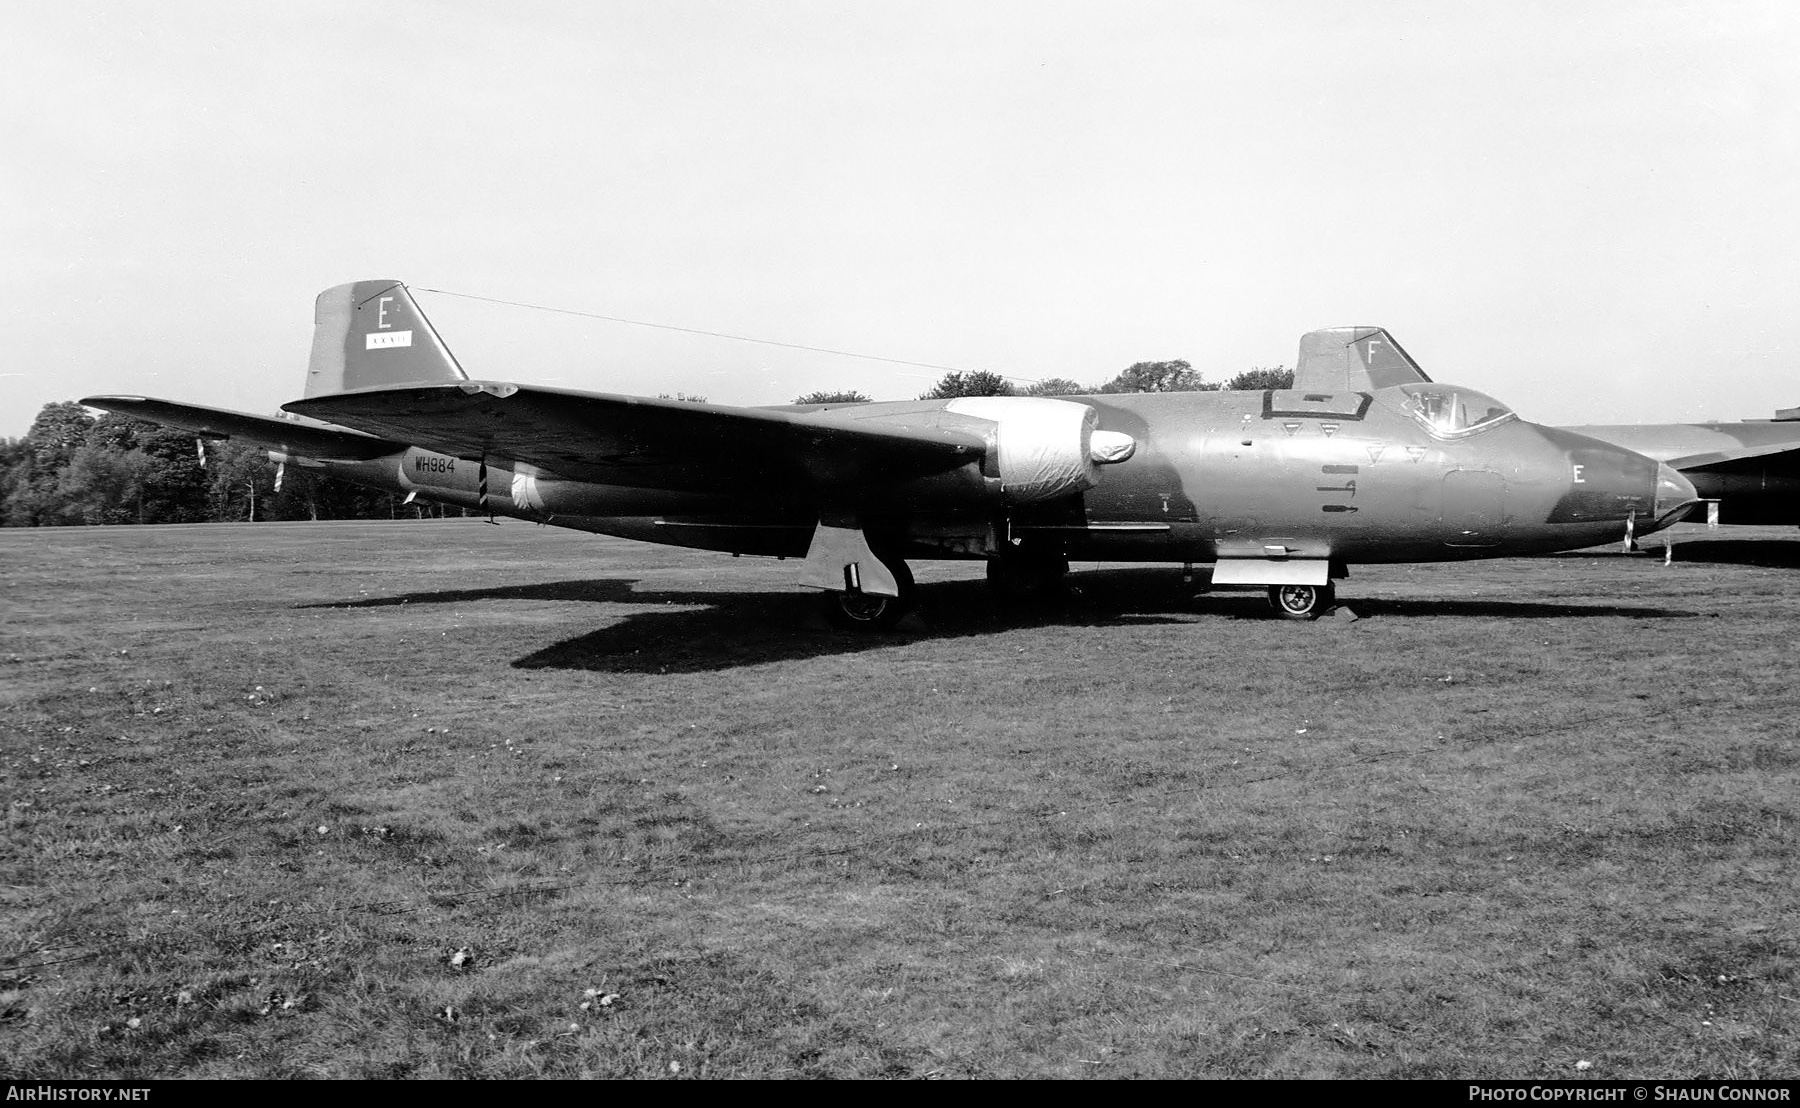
{"x":444,"y":799}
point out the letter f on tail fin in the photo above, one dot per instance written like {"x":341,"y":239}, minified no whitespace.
{"x":1353,"y":359}
{"x":370,"y":334}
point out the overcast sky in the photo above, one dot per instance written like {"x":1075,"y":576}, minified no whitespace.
{"x":1587,"y":210}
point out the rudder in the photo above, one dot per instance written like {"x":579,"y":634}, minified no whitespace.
{"x":371,"y":334}
{"x":1353,"y":359}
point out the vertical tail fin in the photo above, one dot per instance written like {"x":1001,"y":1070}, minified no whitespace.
{"x":1353,"y":359}
{"x":368,"y":334}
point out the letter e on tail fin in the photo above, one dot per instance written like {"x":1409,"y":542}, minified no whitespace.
{"x":1353,"y":359}
{"x":370,"y":334}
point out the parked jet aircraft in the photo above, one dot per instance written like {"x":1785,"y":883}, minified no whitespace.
{"x":1752,"y":468}
{"x":1365,"y":460}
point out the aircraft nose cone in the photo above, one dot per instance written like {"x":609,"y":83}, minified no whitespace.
{"x":1604,"y":483}
{"x":1675,"y":496}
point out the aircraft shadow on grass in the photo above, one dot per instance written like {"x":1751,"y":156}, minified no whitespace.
{"x":1507,"y":609}
{"x":1770,"y":553}
{"x":607,"y":590}
{"x":699,"y":630}
{"x":703,"y":630}
{"x":1767,"y":553}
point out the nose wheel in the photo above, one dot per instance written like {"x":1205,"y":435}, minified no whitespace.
{"x":1301,"y":601}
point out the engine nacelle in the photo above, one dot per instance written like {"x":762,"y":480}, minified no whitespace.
{"x":1045,"y":448}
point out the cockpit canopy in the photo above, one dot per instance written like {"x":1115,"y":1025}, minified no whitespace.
{"x":1451,"y":411}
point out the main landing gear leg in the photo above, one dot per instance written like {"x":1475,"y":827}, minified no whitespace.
{"x":1301,"y":601}
{"x":863,"y":589}
{"x":867,"y":611}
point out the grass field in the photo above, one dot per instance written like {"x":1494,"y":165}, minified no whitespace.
{"x":445,"y":799}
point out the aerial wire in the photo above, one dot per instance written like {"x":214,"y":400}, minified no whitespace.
{"x":712,"y":334}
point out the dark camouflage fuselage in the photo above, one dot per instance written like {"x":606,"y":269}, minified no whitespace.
{"x":1216,"y":475}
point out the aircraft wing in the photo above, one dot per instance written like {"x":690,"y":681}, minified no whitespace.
{"x":1703,"y":447}
{"x":640,"y":442}
{"x":290,"y":435}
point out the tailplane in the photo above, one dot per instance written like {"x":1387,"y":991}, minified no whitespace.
{"x":370,"y":334}
{"x":1353,"y":359}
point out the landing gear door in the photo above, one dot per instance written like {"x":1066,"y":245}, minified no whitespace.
{"x":840,"y":559}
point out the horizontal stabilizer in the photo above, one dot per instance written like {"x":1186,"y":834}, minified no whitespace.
{"x":638,"y":442}
{"x":1353,"y":359}
{"x":291,"y":435}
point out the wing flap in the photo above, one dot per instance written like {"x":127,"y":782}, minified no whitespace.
{"x":289,"y":435}
{"x":648,"y":443}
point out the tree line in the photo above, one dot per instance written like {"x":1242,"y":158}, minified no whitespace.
{"x":1171,"y":376}
{"x":73,"y":468}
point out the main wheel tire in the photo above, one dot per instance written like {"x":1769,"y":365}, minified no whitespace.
{"x":864,"y":611}
{"x":1300,"y":601}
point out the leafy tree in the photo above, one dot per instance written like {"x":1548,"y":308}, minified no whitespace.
{"x":115,"y":432}
{"x":832,"y":398}
{"x":978,"y":382}
{"x":15,"y":457}
{"x":12,"y":453}
{"x":101,"y":484}
{"x":1175,"y":376}
{"x":174,"y":482}
{"x":240,"y":481}
{"x":56,"y":434}
{"x":312,"y":494}
{"x":1057,"y":386}
{"x":74,"y":469}
{"x":1262,"y":377}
